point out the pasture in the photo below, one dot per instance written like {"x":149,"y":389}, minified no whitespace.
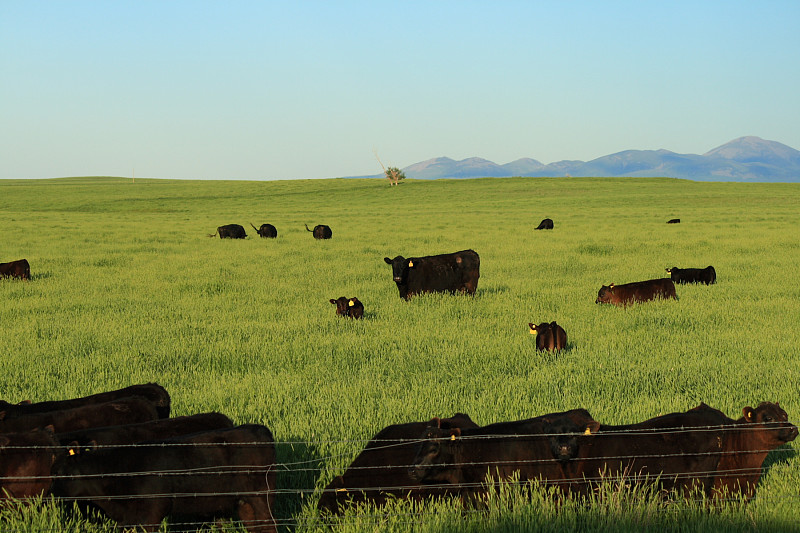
{"x":127,"y":288}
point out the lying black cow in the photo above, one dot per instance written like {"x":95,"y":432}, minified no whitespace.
{"x":321,"y":231}
{"x":153,"y":392}
{"x":230,"y":231}
{"x":266,"y":231}
{"x":456,"y":272}
{"x":163,"y":428}
{"x":381,"y":469}
{"x":536,"y":448}
{"x":550,"y":337}
{"x":638,"y":291}
{"x":16,"y":269}
{"x":705,"y":275}
{"x":123,"y":411}
{"x":26,"y":460}
{"x":674,"y":221}
{"x":348,"y":307}
{"x":545,"y":224}
{"x":221,"y":473}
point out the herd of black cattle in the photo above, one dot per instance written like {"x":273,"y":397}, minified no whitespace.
{"x":119,"y":451}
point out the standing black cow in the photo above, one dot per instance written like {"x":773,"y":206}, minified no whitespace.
{"x":456,"y":272}
{"x":705,"y":275}
{"x":230,"y":231}
{"x":550,"y":336}
{"x":545,"y":224}
{"x":16,"y":269}
{"x":266,"y":231}
{"x":321,"y":231}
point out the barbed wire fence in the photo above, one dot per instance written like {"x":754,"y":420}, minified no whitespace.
{"x":288,"y":473}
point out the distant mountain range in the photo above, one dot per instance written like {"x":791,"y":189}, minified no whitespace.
{"x":743,"y":159}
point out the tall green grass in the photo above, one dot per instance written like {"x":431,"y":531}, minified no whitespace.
{"x":128,"y":288}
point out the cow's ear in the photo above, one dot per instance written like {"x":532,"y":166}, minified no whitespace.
{"x":49,"y":429}
{"x":611,"y":286}
{"x":24,"y":402}
{"x":435,"y":422}
{"x":455,"y":433}
{"x":333,"y":301}
{"x":73,"y":448}
{"x":410,"y":263}
{"x":748,"y":413}
{"x":532,"y":328}
{"x":387,"y":260}
{"x":351,"y":303}
{"x":592,"y":427}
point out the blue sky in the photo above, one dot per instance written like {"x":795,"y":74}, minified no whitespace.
{"x":282,"y":90}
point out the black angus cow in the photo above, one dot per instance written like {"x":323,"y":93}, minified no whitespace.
{"x":16,"y":269}
{"x":545,"y":224}
{"x":153,"y":392}
{"x":456,"y":272}
{"x":198,"y":477}
{"x":705,"y":275}
{"x":321,"y":231}
{"x":638,"y":291}
{"x":266,"y":231}
{"x":230,"y":231}
{"x":380,"y":471}
{"x":123,"y":411}
{"x":745,"y":445}
{"x":26,"y":460}
{"x":534,"y":449}
{"x":674,"y":221}
{"x":348,"y":307}
{"x":163,"y":428}
{"x":550,"y":336}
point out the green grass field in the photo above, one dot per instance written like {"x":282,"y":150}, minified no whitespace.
{"x":128,"y":288}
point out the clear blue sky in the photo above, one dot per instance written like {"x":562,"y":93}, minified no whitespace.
{"x":298,"y":89}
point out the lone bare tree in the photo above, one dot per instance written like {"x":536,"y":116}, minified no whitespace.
{"x":393,"y":174}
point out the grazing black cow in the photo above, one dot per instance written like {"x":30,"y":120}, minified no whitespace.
{"x":550,"y":336}
{"x":230,"y":231}
{"x":221,"y":473}
{"x":705,"y":275}
{"x":16,"y":269}
{"x":153,"y":392}
{"x":123,"y":411}
{"x":745,"y":444}
{"x":456,"y":272}
{"x":163,"y":428}
{"x":381,"y":469}
{"x":545,"y":224}
{"x":638,"y":291}
{"x":321,"y":231}
{"x":674,"y":221}
{"x":348,"y":307}
{"x":26,"y":460}
{"x":534,"y":449}
{"x":266,"y":231}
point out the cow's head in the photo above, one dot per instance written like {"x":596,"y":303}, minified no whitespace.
{"x":564,"y":429}
{"x":400,"y":267}
{"x":436,"y":455}
{"x":772,"y":424}
{"x":604,"y":294}
{"x":341,"y":304}
{"x":669,"y":270}
{"x":541,"y":328}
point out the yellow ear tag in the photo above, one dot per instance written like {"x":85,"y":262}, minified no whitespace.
{"x":71,"y":451}
{"x":341,"y":490}
{"x":533,"y":332}
{"x":410,"y":264}
{"x":588,"y":431}
{"x":452,"y":437}
{"x":350,"y":303}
